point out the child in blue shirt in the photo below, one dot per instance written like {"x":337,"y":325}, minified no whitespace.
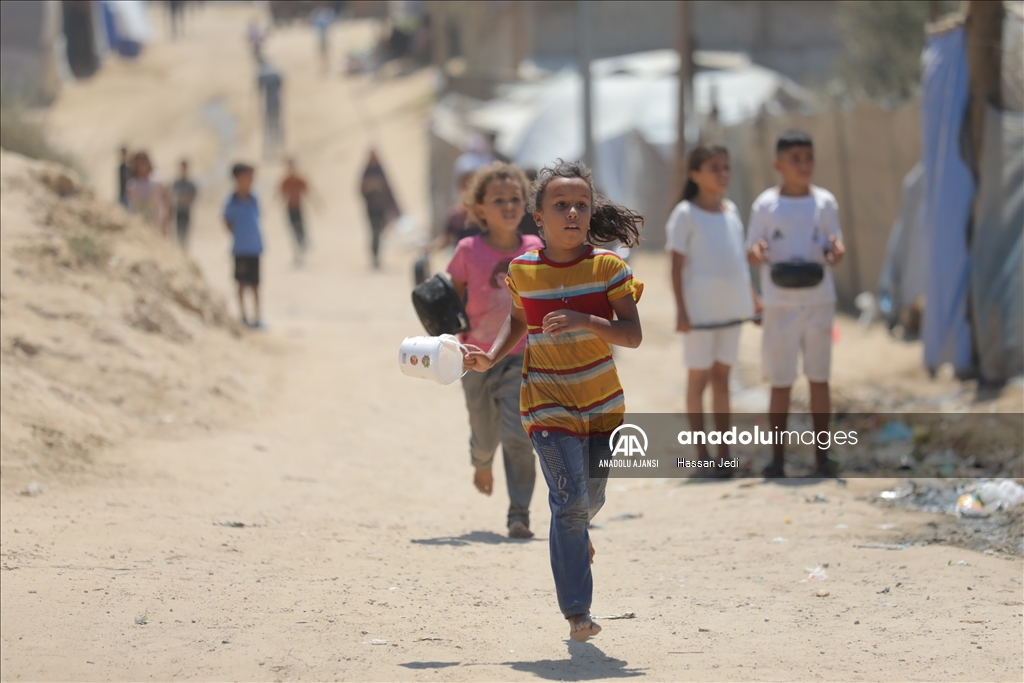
{"x":242,"y":217}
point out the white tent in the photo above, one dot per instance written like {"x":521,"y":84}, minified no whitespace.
{"x":635,"y":119}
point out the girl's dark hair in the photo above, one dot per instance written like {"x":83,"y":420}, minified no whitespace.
{"x":608,"y":221}
{"x":693,"y":163}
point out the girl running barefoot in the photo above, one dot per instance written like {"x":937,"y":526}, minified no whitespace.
{"x":572,"y":301}
{"x":711,"y":283}
{"x":496,"y":201}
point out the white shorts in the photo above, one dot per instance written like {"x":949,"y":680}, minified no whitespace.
{"x":789,"y":331}
{"x":703,"y":348}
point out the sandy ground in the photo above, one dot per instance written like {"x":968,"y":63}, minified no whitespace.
{"x":365,"y":552}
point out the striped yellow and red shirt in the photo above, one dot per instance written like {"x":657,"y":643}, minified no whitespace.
{"x":569,"y":380}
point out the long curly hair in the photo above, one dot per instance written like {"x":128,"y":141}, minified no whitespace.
{"x":608,"y":221}
{"x":498,"y":171}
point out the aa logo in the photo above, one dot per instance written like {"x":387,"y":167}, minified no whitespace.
{"x":626,"y":441}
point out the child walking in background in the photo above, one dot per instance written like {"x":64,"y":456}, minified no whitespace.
{"x":183,"y":197}
{"x":797,"y":222}
{"x":147,"y":196}
{"x":496,"y":201}
{"x":242,"y":217}
{"x":381,"y":206}
{"x":293,"y":190}
{"x":711,"y":283}
{"x":572,"y":301}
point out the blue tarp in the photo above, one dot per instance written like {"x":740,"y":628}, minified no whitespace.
{"x":997,"y":249}
{"x":948,"y":192}
{"x":127,"y":26}
{"x":904,"y":277}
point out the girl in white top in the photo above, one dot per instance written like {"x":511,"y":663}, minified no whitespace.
{"x":711,"y":283}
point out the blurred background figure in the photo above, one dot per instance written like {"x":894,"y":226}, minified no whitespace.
{"x":293,"y":190}
{"x":322,"y":17}
{"x":256,"y":35}
{"x":124,"y":172}
{"x":183,"y":196}
{"x":147,"y":196}
{"x":457,"y":224}
{"x":528,"y":226}
{"x":381,"y":207}
{"x":176,"y":13}
{"x":476,"y":156}
{"x":270,"y":82}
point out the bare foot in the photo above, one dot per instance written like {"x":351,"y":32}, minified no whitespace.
{"x":484,"y":481}
{"x":582,"y":627}
{"x":519,"y":530}
{"x":592,"y":553}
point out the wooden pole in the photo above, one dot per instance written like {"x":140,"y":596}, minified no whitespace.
{"x":684,"y":46}
{"x":984,"y":26}
{"x":846,"y":188}
{"x":439,"y":26}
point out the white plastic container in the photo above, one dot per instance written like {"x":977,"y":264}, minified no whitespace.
{"x":436,"y":358}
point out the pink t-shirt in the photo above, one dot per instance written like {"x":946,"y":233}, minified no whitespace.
{"x":488,"y":301}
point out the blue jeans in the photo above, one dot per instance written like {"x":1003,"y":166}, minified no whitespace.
{"x":574,"y":499}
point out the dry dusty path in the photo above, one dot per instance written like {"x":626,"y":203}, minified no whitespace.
{"x":365,"y":552}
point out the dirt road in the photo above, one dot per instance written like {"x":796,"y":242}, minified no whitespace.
{"x":334,"y":534}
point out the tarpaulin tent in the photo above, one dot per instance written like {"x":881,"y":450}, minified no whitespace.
{"x":997,"y":247}
{"x":86,"y":35}
{"x":635,"y":119}
{"x":127,"y":25}
{"x":949,"y":190}
{"x":31,"y":45}
{"x":904,"y":279}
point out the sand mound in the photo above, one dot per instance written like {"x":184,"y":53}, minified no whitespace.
{"x":108,"y":329}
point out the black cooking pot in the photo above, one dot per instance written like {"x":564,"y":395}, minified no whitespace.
{"x":797,"y":274}
{"x":439,"y":307}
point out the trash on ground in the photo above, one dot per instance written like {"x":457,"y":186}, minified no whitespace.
{"x":894,"y":430}
{"x":233,"y":525}
{"x":1005,"y":493}
{"x":33,"y":489}
{"x":623,"y":615}
{"x":816,"y":574}
{"x":970,"y":505}
{"x":375,"y":641}
{"x":822,"y":593}
{"x":142,"y":620}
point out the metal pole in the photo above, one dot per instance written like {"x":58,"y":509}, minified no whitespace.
{"x":584,"y":35}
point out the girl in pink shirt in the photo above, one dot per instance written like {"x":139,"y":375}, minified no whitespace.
{"x":496,"y":201}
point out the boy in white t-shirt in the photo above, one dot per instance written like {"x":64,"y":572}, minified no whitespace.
{"x":711,"y":283}
{"x":796,"y":222}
